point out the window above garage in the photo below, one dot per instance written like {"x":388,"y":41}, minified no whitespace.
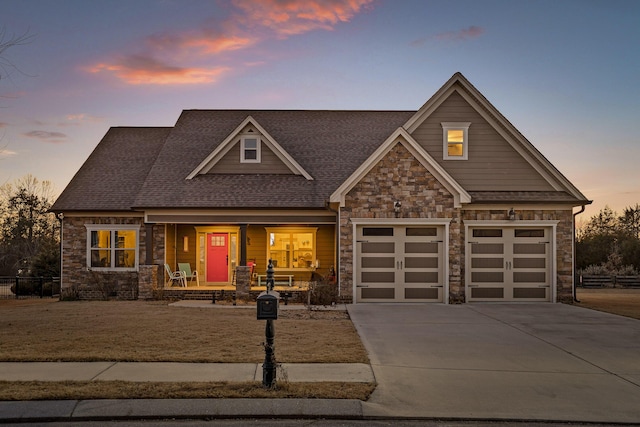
{"x":455,"y":140}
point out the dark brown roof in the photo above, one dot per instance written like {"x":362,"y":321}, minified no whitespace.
{"x":329,"y":145}
{"x":113,"y":174}
{"x":143,"y":168}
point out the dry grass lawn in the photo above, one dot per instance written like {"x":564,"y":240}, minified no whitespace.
{"x":138,"y":331}
{"x":624,"y":302}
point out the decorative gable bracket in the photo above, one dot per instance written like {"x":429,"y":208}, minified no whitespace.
{"x":223,"y":148}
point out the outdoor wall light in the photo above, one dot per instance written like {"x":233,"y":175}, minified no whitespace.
{"x":512,"y":215}
{"x":185,"y":243}
{"x":396,"y":206}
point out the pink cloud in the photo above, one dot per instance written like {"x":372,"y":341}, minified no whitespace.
{"x":141,"y":70}
{"x":46,"y":136}
{"x":253,"y":21}
{"x":290,"y":17}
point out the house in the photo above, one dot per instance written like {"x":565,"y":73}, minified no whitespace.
{"x":449,"y":203}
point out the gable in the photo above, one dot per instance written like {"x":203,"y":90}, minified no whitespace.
{"x":399,"y":176}
{"x":498,"y":167}
{"x":493,"y":164}
{"x":223,"y":161}
{"x":231,"y":161}
{"x":401,"y":137}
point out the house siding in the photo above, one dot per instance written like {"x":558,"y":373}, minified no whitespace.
{"x":269,"y":163}
{"x":493,"y":164}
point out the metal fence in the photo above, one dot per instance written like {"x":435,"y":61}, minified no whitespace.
{"x":29,"y":287}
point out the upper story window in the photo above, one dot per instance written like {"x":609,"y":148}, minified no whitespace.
{"x":250,"y":149}
{"x":112,"y":247}
{"x":455,"y":140}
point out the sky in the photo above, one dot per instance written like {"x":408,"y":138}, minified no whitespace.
{"x":565,"y":73}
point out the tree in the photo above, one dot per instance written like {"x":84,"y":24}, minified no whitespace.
{"x":29,"y":233}
{"x":610,"y":242}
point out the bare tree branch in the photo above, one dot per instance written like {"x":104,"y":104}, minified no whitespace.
{"x":8,"y":41}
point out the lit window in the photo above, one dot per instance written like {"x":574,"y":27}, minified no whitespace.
{"x":292,"y":248}
{"x":250,"y":150}
{"x":455,"y":140}
{"x":112,"y":247}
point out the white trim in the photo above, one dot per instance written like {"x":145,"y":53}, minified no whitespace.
{"x":210,"y":161}
{"x":553,"y":224}
{"x":401,"y":136}
{"x":464,"y":127}
{"x":111,"y":228}
{"x":243,"y":149}
{"x":400,"y":221}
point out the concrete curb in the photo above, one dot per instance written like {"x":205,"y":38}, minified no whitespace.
{"x":80,"y":410}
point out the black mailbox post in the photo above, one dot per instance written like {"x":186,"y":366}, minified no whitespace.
{"x":267,"y":304}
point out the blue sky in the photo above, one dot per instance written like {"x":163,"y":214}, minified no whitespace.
{"x":564,"y":72}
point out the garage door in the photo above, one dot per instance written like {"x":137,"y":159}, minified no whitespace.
{"x":509,"y":264}
{"x":400,"y":264}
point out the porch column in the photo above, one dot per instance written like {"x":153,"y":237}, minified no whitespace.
{"x":148,"y":241}
{"x":243,"y":244}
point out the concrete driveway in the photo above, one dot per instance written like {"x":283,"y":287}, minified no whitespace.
{"x":501,"y":361}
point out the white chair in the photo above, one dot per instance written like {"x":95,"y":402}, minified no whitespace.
{"x":178,"y":277}
{"x":185,"y":268}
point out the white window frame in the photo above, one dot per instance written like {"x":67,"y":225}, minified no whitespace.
{"x":112,"y":228}
{"x":464,"y":127}
{"x":243,"y":149}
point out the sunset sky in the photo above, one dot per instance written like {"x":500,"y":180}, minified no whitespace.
{"x":566,"y":73}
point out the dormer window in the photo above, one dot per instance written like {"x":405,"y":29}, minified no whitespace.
{"x":250,"y":149}
{"x":455,"y":140}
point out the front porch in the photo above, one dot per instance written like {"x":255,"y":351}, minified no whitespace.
{"x":228,"y":293}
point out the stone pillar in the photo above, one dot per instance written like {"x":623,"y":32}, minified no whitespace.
{"x":243,"y":281}
{"x":150,"y":280}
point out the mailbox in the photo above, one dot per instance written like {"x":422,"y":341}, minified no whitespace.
{"x":267,"y":303}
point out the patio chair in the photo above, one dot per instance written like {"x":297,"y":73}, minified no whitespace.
{"x":176,"y":277}
{"x":185,"y":268}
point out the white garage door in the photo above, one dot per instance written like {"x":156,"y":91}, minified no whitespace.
{"x":399,"y":263}
{"x":509,"y":264}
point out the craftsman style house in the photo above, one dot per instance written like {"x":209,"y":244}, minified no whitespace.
{"x":449,"y":203}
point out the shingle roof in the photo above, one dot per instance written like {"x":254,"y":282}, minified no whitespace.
{"x":143,"y":168}
{"x":113,"y":174}
{"x":329,"y":145}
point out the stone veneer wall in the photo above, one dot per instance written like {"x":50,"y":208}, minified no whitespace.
{"x":78,"y":282}
{"x":399,"y":176}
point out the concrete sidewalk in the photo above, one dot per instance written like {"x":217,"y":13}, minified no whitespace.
{"x":181,"y":372}
{"x":126,"y":409}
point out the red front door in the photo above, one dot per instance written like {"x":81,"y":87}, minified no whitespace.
{"x":217,"y":257}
